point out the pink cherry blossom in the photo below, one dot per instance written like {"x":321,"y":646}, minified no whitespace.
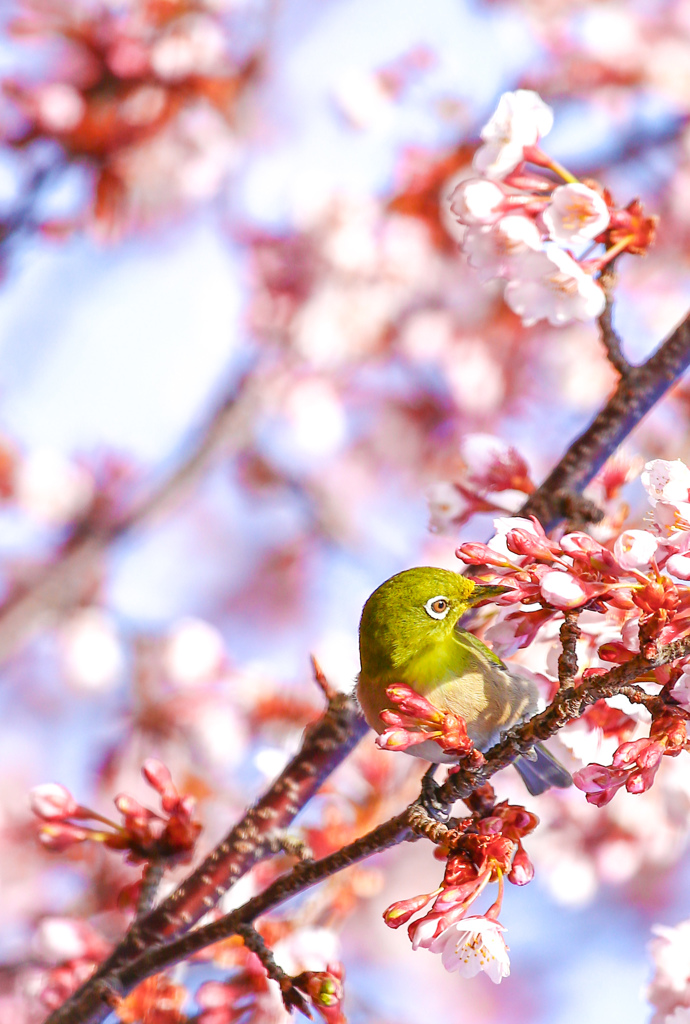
{"x":575,"y":215}
{"x":520,"y":119}
{"x":679,"y":566}
{"x":681,"y":690}
{"x":472,"y":945}
{"x":551,"y":286}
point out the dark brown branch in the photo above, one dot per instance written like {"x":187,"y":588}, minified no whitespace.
{"x":633,"y":398}
{"x":58,"y":587}
{"x":326,"y":743}
{"x":568,"y":704}
{"x":609,"y":337}
{"x":567,"y":660}
{"x":292,"y":997}
{"x":150,"y":881}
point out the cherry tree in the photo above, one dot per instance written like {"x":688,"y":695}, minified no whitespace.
{"x":439,"y":342}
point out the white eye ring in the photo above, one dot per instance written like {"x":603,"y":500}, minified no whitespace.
{"x":442,"y":607}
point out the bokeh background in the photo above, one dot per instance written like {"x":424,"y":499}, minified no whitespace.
{"x":243,"y":203}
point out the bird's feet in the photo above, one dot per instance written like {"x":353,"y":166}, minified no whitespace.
{"x":428,"y":797}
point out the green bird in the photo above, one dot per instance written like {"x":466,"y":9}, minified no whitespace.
{"x":409,"y":634}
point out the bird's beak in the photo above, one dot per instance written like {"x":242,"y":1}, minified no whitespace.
{"x":486,"y":592}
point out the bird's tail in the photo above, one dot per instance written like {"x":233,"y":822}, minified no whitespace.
{"x":541,"y":771}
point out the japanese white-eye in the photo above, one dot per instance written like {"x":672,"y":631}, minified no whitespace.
{"x":409,"y":634}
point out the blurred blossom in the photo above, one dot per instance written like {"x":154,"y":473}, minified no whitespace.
{"x":475,"y":377}
{"x":316,"y":418}
{"x":194,"y":652}
{"x":362,"y":98}
{"x":91,"y":650}
{"x":308,"y":949}
{"x":51,"y":488}
{"x":219,"y":732}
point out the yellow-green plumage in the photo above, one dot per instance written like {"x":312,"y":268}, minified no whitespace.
{"x":402,"y":639}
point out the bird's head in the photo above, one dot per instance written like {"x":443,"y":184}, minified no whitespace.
{"x":415,"y":610}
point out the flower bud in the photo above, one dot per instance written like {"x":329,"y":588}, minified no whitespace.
{"x":52,"y":801}
{"x":401,"y":912}
{"x":522,"y":870}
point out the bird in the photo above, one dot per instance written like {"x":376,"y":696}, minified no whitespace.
{"x":409,"y":633}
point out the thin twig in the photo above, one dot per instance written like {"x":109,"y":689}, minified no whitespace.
{"x":635,"y":395}
{"x":59,"y":586}
{"x":610,"y":339}
{"x":292,"y":997}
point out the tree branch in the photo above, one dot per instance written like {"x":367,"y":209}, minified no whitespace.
{"x":637,"y":392}
{"x":609,"y":337}
{"x":326,"y":743}
{"x":89,"y":1007}
{"x":59,"y":586}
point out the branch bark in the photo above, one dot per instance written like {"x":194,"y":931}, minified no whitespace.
{"x":567,"y":705}
{"x":326,"y":743}
{"x":637,"y":392}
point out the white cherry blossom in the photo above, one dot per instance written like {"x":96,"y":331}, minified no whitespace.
{"x":667,"y":481}
{"x":551,"y":286}
{"x":520,"y":119}
{"x":446,"y":503}
{"x":575,"y":215}
{"x":494,"y":251}
{"x":477,"y":201}
{"x":472,"y":945}
{"x":635,"y":549}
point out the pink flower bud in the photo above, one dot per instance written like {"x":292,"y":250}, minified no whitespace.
{"x":522,"y":542}
{"x":414,"y":704}
{"x":401,"y":912}
{"x":52,"y":801}
{"x":475,"y":553}
{"x":645,"y":753}
{"x":60,"y":836}
{"x":423,"y":932}
{"x":158,"y":776}
{"x":562,"y":590}
{"x":399,"y":739}
{"x":522,"y":870}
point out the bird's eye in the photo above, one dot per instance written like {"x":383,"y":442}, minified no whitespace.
{"x":437,"y":607}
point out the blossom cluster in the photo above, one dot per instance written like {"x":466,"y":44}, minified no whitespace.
{"x":637,"y":582}
{"x":145,"y":835}
{"x":417,"y":720}
{"x":487,"y":849}
{"x":144,"y":96}
{"x":520,"y":225}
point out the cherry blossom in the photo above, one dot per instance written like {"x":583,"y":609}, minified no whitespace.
{"x":477,"y":201}
{"x":496,"y":251}
{"x":575,"y":215}
{"x":520,"y":119}
{"x":551,"y":286}
{"x":472,"y":945}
